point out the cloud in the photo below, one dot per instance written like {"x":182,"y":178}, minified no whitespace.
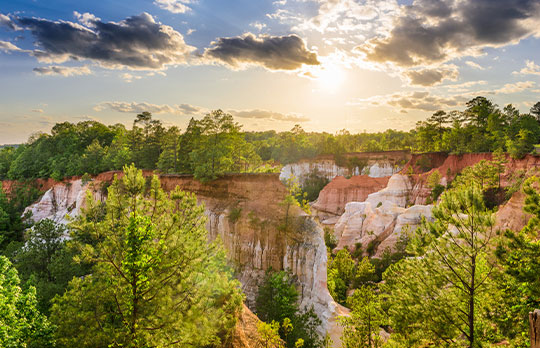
{"x":431,"y":77}
{"x":137,"y":42}
{"x":63,"y":70}
{"x":6,"y":21}
{"x":530,"y":69}
{"x":517,"y":87}
{"x":271,"y":115}
{"x":174,"y":6}
{"x":7,"y":47}
{"x":411,"y":101}
{"x":272,"y":52}
{"x":130,"y":77}
{"x":343,"y":15}
{"x":474,"y":65}
{"x":433,"y":31}
{"x":258,"y":25}
{"x":133,"y":107}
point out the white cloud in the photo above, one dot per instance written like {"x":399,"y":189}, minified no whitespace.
{"x":531,"y":68}
{"x":174,"y":6}
{"x":474,"y":65}
{"x":134,"y":107}
{"x":517,"y":87}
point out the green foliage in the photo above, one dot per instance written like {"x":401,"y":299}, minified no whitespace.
{"x":294,"y":198}
{"x":269,"y":334}
{"x":445,"y":294}
{"x":330,"y":240}
{"x":21,"y":323}
{"x":277,"y":301}
{"x":341,"y":272}
{"x":46,"y":261}
{"x":12,"y":221}
{"x":522,"y":144}
{"x":277,"y":297}
{"x":424,"y":162}
{"x":434,"y":183}
{"x":312,"y":185}
{"x":235,"y":214}
{"x":482,"y":127}
{"x":361,"y":329}
{"x":155,"y":278}
{"x":221,"y":148}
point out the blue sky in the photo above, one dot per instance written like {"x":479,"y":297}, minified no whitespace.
{"x":326,"y":65}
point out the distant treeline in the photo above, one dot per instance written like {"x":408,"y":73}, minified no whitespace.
{"x":216,"y":144}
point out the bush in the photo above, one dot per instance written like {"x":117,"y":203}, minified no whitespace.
{"x":313,"y":184}
{"x":329,"y":239}
{"x":424,"y":162}
{"x":235,"y":214}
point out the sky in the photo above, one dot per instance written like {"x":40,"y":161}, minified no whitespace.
{"x":359,"y":65}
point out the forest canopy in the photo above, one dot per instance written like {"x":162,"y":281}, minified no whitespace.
{"x":216,"y":144}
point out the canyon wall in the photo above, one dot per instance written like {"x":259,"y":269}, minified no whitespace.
{"x":245,"y":212}
{"x":379,"y":217}
{"x":372,"y":164}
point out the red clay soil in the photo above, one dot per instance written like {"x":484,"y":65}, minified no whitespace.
{"x":8,"y":186}
{"x":245,"y":334}
{"x":340,"y":191}
{"x":450,"y":165}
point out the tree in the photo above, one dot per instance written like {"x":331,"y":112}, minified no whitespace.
{"x":46,"y":262}
{"x":535,"y":111}
{"x":294,"y":198}
{"x":341,"y":272}
{"x":168,"y":160}
{"x":519,"y":255}
{"x":444,"y":293}
{"x":269,"y":335}
{"x":221,"y":147}
{"x":156,"y":280}
{"x":522,"y":144}
{"x":21,"y":324}
{"x":361,"y":329}
{"x":277,"y":301}
{"x":434,"y":183}
{"x":277,"y":297}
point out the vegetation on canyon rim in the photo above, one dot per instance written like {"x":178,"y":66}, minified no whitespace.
{"x":138,"y":271}
{"x":216,"y":144}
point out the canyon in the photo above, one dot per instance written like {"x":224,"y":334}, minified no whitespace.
{"x":246,"y":211}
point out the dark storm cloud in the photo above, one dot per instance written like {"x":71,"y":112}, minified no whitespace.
{"x":62,"y":70}
{"x":430,"y":77}
{"x":432,"y":31}
{"x":272,"y":52}
{"x":137,"y":42}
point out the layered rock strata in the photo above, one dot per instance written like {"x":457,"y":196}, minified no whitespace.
{"x":245,"y":212}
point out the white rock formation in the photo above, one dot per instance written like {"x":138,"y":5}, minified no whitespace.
{"x":381,"y":217}
{"x":397,"y":191}
{"x":250,"y":251}
{"x":59,"y":201}
{"x":330,"y":170}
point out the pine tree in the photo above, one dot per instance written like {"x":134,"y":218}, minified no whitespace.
{"x":156,"y":281}
{"x":443,"y":294}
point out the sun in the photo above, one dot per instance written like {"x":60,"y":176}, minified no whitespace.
{"x":330,"y":78}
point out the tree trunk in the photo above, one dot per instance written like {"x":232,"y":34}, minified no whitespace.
{"x":534,"y":328}
{"x":471,"y":304}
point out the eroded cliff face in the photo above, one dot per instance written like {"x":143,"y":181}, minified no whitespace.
{"x":381,"y":216}
{"x":334,"y":196}
{"x":372,"y":164}
{"x":245,"y":212}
